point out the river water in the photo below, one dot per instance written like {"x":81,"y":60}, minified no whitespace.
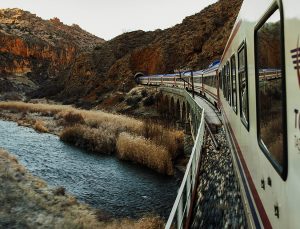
{"x":121,"y":189}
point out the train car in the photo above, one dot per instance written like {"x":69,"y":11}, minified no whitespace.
{"x":259,"y":78}
{"x":209,"y":83}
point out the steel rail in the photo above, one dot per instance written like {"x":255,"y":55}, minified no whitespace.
{"x":215,"y":142}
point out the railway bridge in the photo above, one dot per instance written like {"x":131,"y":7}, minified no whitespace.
{"x":182,"y":107}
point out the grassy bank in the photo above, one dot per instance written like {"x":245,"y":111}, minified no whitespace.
{"x":102,"y":132}
{"x":27,"y":202}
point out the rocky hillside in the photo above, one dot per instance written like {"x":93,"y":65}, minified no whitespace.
{"x":88,"y":76}
{"x":34,"y":50}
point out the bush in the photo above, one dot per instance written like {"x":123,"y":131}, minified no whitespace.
{"x":73,"y":118}
{"x":149,"y":101}
{"x":40,"y":126}
{"x":145,"y":152}
{"x":133,"y":100}
{"x":100,"y":140}
{"x":144,"y":93}
{"x":60,"y":191}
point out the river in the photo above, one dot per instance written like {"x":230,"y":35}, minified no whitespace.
{"x":121,"y":189}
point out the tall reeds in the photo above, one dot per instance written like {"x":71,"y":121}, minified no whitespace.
{"x":144,"y":142}
{"x":145,"y":152}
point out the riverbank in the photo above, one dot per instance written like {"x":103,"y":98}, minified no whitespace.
{"x":34,"y":205}
{"x":102,"y":132}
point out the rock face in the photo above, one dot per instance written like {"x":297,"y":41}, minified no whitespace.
{"x":71,"y":65}
{"x":35,"y":50}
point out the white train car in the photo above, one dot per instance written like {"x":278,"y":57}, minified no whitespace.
{"x":208,"y":84}
{"x":260,"y":100}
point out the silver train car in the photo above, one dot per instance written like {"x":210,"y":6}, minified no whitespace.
{"x":256,"y":86}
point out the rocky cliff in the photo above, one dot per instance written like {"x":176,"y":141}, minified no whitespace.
{"x":33,"y":50}
{"x":83,"y":69}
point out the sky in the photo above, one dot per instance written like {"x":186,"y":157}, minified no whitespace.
{"x":109,"y":18}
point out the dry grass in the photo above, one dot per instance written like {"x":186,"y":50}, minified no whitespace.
{"x":91,"y":117}
{"x":40,"y":126}
{"x":171,"y":139}
{"x":97,"y":131}
{"x":45,"y":109}
{"x":98,"y":140}
{"x":145,"y":152}
{"x":72,"y":118}
{"x":148,"y":222}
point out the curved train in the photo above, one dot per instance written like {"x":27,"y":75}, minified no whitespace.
{"x":256,"y":86}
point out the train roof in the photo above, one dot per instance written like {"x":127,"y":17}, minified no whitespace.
{"x":211,"y":68}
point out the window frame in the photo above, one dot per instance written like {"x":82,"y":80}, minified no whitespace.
{"x":246,"y":123}
{"x":224,"y":82}
{"x":236,"y":88}
{"x":281,"y":169}
{"x":220,"y":80}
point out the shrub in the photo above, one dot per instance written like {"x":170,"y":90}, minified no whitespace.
{"x":149,"y":101}
{"x":100,"y":140}
{"x":145,"y":152}
{"x":40,"y":126}
{"x":73,"y":118}
{"x":144,"y":93}
{"x":133,"y":100}
{"x":59,"y":191}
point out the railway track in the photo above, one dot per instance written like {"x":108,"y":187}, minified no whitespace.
{"x":218,"y":201}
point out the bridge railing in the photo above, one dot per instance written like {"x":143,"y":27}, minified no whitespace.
{"x":180,"y":211}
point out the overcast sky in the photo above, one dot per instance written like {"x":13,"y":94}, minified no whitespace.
{"x":109,"y":18}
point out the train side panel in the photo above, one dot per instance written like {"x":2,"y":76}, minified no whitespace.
{"x":292,"y":62}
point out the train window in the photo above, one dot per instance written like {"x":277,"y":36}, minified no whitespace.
{"x":201,"y":79}
{"x":219,"y":80}
{"x":233,"y":84}
{"x":270,"y":88}
{"x":222,"y":75}
{"x":224,"y":83}
{"x":243,"y":85}
{"x":228,"y":82}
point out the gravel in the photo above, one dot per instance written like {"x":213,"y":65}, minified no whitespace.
{"x":219,"y":203}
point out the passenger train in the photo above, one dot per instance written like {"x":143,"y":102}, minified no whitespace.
{"x":256,"y":86}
